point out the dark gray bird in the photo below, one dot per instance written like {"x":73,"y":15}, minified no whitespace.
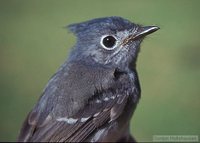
{"x":93,"y":95}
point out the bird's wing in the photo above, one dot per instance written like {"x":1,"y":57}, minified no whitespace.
{"x":43,"y":124}
{"x":97,"y":112}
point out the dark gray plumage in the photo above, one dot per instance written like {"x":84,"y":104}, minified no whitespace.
{"x":94,"y":94}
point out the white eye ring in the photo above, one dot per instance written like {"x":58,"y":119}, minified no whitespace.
{"x":112,"y":47}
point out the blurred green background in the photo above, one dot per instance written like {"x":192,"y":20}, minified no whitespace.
{"x":33,"y":44}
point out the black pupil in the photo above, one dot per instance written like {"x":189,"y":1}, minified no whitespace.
{"x":109,"y":41}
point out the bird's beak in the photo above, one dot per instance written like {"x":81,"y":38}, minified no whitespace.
{"x":143,"y":31}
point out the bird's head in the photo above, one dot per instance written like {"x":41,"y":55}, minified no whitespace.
{"x":110,"y":41}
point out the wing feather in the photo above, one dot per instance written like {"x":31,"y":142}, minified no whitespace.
{"x":93,"y":116}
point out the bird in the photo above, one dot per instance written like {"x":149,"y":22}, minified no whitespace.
{"x":94,"y":93}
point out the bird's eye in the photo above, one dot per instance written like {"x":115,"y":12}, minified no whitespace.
{"x":108,"y":42}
